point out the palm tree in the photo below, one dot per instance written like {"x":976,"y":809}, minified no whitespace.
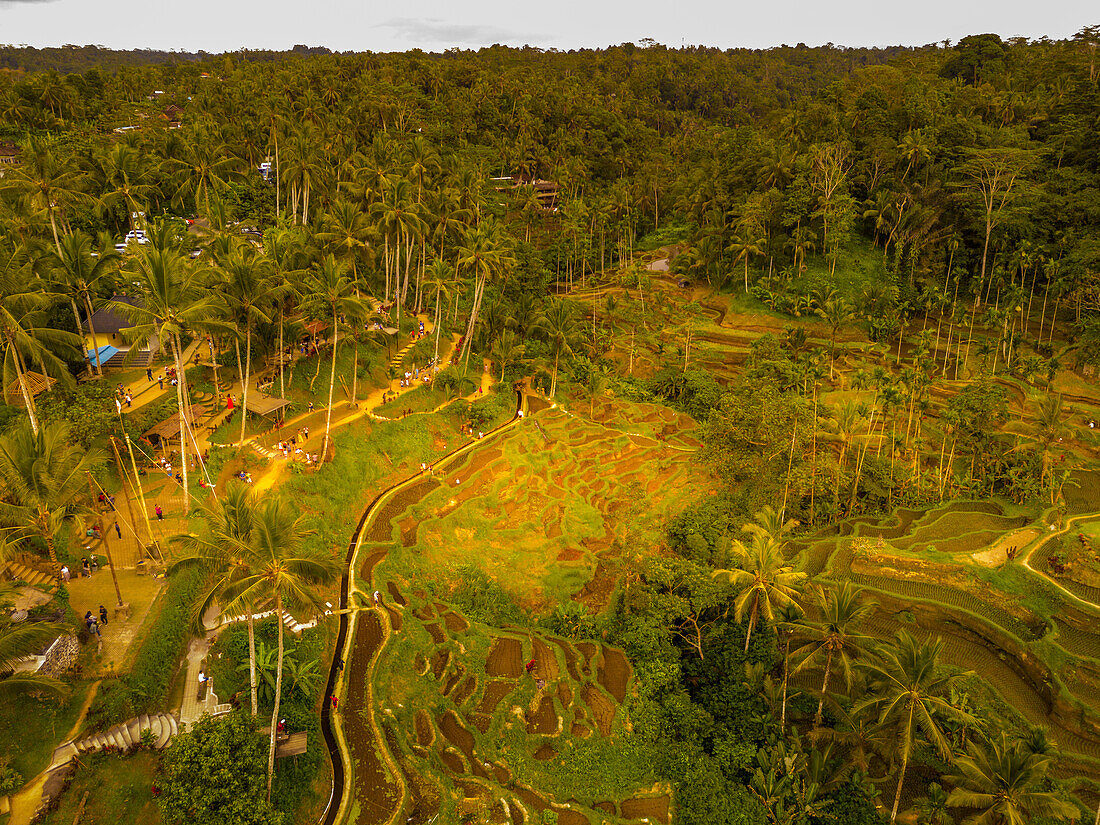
{"x":483,"y":254}
{"x":79,"y":271}
{"x":1002,"y":780}
{"x":765,"y":581}
{"x":121,"y":175}
{"x":790,"y":621}
{"x":559,"y":324}
{"x":836,"y":312}
{"x":174,"y":303}
{"x":834,"y":635}
{"x":206,"y":164}
{"x":910,"y":693}
{"x":247,"y":293}
{"x":439,"y":280}
{"x":43,"y":475}
{"x":278,"y":574}
{"x":222,"y":553}
{"x":17,"y":642}
{"x":745,"y":245}
{"x":45,"y":181}
{"x":285,"y":253}
{"x":329,"y":288}
{"x":506,"y":349}
{"x":24,"y":332}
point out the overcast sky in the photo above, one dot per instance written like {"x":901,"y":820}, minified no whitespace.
{"x":434,"y":25}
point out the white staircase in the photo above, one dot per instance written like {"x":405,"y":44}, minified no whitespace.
{"x":122,"y":737}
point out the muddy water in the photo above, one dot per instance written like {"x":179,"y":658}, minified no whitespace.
{"x":373,"y":792}
{"x":374,"y":797}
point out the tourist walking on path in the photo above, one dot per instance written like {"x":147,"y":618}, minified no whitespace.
{"x":65,"y":573}
{"x":103,"y":615}
{"x":160,"y":513}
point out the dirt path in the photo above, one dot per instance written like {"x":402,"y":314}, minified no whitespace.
{"x":25,"y":802}
{"x":1069,"y":595}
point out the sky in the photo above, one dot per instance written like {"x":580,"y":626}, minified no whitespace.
{"x":435,"y":25}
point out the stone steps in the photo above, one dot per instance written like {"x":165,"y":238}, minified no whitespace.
{"x":123,"y":737}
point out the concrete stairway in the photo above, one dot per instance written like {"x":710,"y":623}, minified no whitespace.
{"x":122,"y":737}
{"x":32,"y":576}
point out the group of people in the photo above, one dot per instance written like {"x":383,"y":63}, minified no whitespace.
{"x":123,"y":396}
{"x":92,"y":623}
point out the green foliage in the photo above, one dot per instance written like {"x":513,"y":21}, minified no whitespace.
{"x":10,"y":778}
{"x":214,"y":774}
{"x":145,"y":687}
{"x":482,"y":599}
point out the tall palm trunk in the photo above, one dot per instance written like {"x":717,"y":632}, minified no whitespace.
{"x":331,"y":384}
{"x":91,"y":331}
{"x":824,"y":688}
{"x":282,"y":345}
{"x":901,"y":781}
{"x":252,"y":659}
{"x":752,"y":625}
{"x":786,"y":675}
{"x":180,"y":385}
{"x":278,"y":695}
{"x":20,"y":374}
{"x":247,"y":371}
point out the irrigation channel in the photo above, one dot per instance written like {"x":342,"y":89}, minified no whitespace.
{"x":361,"y":763}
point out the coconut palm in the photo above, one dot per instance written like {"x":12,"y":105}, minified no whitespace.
{"x":287,"y":258}
{"x":834,"y":636}
{"x":205,"y":164}
{"x":1002,"y":781}
{"x":17,"y":642}
{"x":764,"y":579}
{"x":45,"y":181}
{"x":558,"y":323}
{"x":222,"y":552}
{"x":439,"y":281}
{"x":483,"y":255}
{"x":173,"y":303}
{"x":121,"y":175}
{"x":278,"y":574}
{"x":247,"y":281}
{"x":79,"y":269}
{"x":909,"y":694}
{"x":43,"y":474}
{"x":330,"y":290}
{"x":24,"y":332}
{"x":790,"y":621}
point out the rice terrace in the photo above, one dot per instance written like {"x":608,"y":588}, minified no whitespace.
{"x":594,"y":437}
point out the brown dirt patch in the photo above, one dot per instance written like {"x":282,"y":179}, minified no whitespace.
{"x":588,"y":652}
{"x":570,"y":659}
{"x":455,"y":623}
{"x":596,"y":594}
{"x":568,"y":817}
{"x":605,"y":807}
{"x":408,"y":527}
{"x":395,"y":594}
{"x":570,"y":554}
{"x":366,"y":569}
{"x":546,"y":663}
{"x":481,"y":721}
{"x":603,"y":709}
{"x":583,"y":731}
{"x":425,"y":734}
{"x":395,"y":617}
{"x":435,"y":633}
{"x":614,"y":673}
{"x":505,"y":658}
{"x":452,"y":762}
{"x":420,"y":664}
{"x":545,"y":752}
{"x":565,"y":694}
{"x":545,"y":719}
{"x":452,"y":680}
{"x":439,"y":663}
{"x":463,"y":691}
{"x":462,"y":739}
{"x":494,"y":692}
{"x":997,"y":555}
{"x":655,"y":808}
